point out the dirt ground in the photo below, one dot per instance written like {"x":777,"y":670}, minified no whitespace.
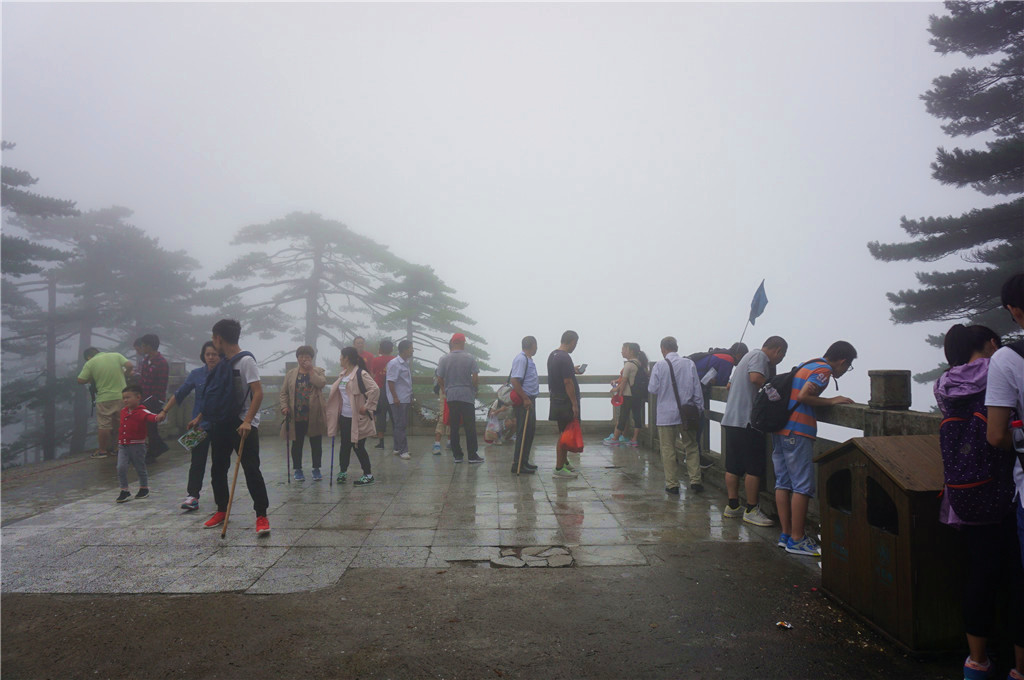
{"x":703,"y":610}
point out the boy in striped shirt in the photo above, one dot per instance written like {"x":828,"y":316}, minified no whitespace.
{"x":793,"y":455}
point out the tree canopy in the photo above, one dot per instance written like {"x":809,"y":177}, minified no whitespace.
{"x":985,"y":99}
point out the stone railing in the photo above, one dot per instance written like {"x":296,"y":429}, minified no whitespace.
{"x":886,"y":413}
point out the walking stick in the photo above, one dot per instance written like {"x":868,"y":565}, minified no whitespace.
{"x":288,"y":448}
{"x":522,"y":438}
{"x":332,"y":461}
{"x":231,"y":497}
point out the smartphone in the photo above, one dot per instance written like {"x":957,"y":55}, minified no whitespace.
{"x":583,"y":368}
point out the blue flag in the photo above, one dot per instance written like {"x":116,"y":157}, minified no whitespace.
{"x":759,"y":302}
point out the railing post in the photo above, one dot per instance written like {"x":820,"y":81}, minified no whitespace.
{"x":890,"y":391}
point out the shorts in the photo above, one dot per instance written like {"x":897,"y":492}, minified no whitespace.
{"x":561,"y":412}
{"x":744,"y":451}
{"x":793,"y":459}
{"x":107,"y":413}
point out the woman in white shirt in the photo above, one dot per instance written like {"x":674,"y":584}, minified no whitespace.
{"x":350,"y":408}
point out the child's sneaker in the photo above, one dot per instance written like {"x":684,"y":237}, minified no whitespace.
{"x":316,"y":475}
{"x":262,"y":525}
{"x":977,"y":671}
{"x":143,"y":493}
{"x":805,"y":546}
{"x":437,"y":448}
{"x":342,"y":477}
{"x":364,"y":480}
{"x":190,"y":503}
{"x":124,"y":496}
{"x":610,"y":440}
{"x":783,"y":540}
{"x":215,"y":520}
{"x":299,"y":477}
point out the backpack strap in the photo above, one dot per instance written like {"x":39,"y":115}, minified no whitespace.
{"x":1017,"y":347}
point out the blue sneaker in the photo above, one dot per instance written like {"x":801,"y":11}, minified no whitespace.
{"x":623,"y":441}
{"x":976,"y":671}
{"x":805,"y":546}
{"x":316,"y":475}
{"x":783,"y":540}
{"x":342,"y":477}
{"x":299,"y":477}
{"x":610,"y":440}
{"x":437,"y":448}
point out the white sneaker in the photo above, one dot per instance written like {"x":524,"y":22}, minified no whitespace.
{"x":397,"y":453}
{"x":757,"y":518}
{"x":404,"y":455}
{"x":564,"y":473}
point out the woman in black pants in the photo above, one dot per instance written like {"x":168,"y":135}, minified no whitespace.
{"x":196,"y":380}
{"x":350,"y":409}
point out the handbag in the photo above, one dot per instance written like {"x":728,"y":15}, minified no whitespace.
{"x":689,"y":414}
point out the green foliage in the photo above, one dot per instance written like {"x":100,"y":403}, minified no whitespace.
{"x":988,"y":99}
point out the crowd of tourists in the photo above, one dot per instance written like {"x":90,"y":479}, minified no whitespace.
{"x":981,"y":395}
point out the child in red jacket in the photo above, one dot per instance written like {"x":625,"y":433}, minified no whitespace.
{"x":131,"y":441}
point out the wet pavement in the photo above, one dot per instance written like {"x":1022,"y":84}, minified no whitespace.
{"x":425,"y":512}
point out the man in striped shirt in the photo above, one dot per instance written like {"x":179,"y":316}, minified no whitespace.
{"x":793,"y":457}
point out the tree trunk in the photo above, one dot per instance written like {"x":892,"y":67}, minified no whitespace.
{"x":80,"y":427}
{"x":312,"y":297}
{"x":50,"y":407}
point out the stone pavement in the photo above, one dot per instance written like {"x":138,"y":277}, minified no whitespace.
{"x":425,"y":512}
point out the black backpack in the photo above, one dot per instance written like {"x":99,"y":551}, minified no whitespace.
{"x":640,"y":382}
{"x":223,"y":398}
{"x":770,"y":411}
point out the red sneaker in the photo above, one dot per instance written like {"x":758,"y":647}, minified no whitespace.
{"x":262,"y":525}
{"x":215,"y":521}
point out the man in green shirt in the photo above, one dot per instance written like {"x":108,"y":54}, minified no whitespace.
{"x":107,"y":372}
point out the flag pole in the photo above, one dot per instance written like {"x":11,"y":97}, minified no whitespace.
{"x":744,"y":330}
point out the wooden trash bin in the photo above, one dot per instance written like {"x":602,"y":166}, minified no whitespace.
{"x":885,"y":554}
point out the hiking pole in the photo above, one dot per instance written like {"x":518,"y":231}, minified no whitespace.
{"x":522,"y":438}
{"x":288,"y":447}
{"x":332,"y":461}
{"x":231,"y":496}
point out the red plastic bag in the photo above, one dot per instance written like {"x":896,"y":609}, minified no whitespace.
{"x":445,"y":417}
{"x":572,"y":437}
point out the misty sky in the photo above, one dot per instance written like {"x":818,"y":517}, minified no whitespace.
{"x":629,"y":171}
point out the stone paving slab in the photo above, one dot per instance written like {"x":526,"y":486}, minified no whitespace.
{"x":426,"y":512}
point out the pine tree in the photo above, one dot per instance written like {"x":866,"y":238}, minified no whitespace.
{"x":423,"y":309}
{"x":987,"y":99}
{"x":313,"y":264}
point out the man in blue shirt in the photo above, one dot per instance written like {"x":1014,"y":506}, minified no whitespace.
{"x":399,"y":382}
{"x":526,"y":384}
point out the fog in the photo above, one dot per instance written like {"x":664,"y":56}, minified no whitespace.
{"x":627,"y":171}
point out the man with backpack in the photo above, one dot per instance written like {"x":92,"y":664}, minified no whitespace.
{"x":719,"y":363}
{"x":744,"y":446}
{"x":231,"y":404}
{"x":680,"y":409}
{"x":793,"y":454}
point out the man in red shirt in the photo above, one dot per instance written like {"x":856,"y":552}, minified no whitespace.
{"x":359,"y":342}
{"x":153,"y":376}
{"x":378,"y":369}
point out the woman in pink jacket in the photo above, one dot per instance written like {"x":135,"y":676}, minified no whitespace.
{"x":350,"y":408}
